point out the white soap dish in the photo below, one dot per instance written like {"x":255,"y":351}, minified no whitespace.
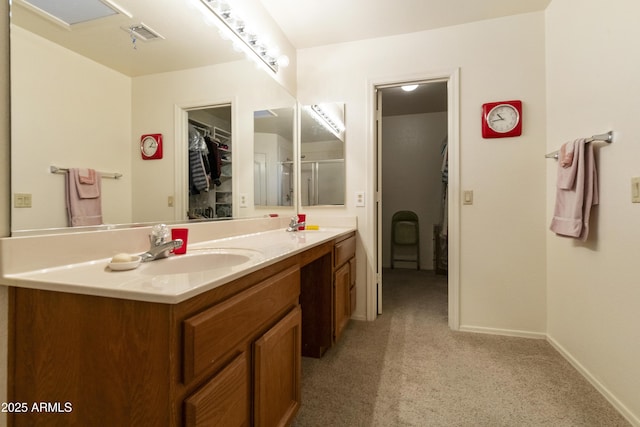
{"x":130,"y":265}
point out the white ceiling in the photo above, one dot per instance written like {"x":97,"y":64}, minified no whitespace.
{"x":191,"y":42}
{"x":309,"y":23}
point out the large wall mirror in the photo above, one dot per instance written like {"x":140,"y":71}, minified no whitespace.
{"x":83,"y":96}
{"x":322,"y":168}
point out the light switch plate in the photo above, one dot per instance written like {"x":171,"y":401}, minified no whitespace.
{"x":21,"y":200}
{"x":467,"y":197}
{"x":635,"y":189}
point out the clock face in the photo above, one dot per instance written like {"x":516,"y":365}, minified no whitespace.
{"x":151,"y":146}
{"x":503,"y":118}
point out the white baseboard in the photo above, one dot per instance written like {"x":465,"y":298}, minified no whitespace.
{"x":624,"y":411}
{"x":506,"y":332}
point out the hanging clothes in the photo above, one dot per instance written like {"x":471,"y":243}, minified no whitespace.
{"x":197,"y":173}
{"x":444,"y":170}
{"x":198,"y":176}
{"x":214,"y":159}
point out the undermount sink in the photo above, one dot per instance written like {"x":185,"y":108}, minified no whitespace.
{"x":198,"y":260}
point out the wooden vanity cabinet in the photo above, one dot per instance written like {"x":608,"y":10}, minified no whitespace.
{"x":344,"y":298}
{"x":327,"y":294}
{"x":229,"y":357}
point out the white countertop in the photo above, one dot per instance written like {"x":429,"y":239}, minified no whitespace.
{"x":96,"y":278}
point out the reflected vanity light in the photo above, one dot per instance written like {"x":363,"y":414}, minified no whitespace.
{"x":329,"y":121}
{"x":244,"y":37}
{"x":409,"y":88}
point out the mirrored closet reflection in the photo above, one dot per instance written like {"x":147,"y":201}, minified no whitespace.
{"x":210,"y":163}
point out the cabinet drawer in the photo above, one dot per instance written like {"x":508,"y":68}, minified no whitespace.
{"x":345,"y":250}
{"x":216,"y":332}
{"x":223,"y":401}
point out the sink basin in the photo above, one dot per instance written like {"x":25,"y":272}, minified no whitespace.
{"x":196,"y":261}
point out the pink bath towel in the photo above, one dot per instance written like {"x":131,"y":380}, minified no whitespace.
{"x":84,"y":202}
{"x":576,"y":190}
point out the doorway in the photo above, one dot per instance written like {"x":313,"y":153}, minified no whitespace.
{"x":417,"y":145}
{"x":210,"y":162}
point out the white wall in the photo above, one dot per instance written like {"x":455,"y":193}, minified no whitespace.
{"x":593,"y":290}
{"x":412,"y":178}
{"x":502,"y":266}
{"x":67,"y":111}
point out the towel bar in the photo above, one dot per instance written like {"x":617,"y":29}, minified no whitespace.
{"x":113,"y":175}
{"x":603,"y":137}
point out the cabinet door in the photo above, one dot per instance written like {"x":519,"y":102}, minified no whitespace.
{"x":224,"y":400}
{"x":341,"y":299}
{"x":278,"y":357}
{"x":352,"y":280}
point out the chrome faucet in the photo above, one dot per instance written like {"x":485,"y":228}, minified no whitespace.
{"x":294,"y":224}
{"x":160,"y":246}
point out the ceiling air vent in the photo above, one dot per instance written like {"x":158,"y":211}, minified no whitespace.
{"x":142,"y":32}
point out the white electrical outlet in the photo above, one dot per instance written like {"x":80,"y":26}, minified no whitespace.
{"x":243,"y":200}
{"x":359,"y":199}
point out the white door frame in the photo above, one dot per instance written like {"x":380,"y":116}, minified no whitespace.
{"x":374,"y":280}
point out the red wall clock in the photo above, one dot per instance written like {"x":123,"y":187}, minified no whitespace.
{"x":151,"y":146}
{"x":502,"y":119}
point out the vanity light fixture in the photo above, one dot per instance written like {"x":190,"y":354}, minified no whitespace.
{"x":409,"y":88}
{"x":328,"y":120}
{"x":249,"y":41}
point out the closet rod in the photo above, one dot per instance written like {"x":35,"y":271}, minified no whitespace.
{"x":603,"y":137}
{"x":114,"y":175}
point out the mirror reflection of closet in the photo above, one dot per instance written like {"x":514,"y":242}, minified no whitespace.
{"x":322,"y":168}
{"x":273,"y":166}
{"x":210,"y":163}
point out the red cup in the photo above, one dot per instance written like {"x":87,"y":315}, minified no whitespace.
{"x":302,"y":218}
{"x":180,"y":233}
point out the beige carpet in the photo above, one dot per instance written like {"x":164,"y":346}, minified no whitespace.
{"x":408,"y":369}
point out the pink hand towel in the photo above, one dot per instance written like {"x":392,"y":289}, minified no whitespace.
{"x":84,"y":204}
{"x":576,"y":192}
{"x":87,"y":176}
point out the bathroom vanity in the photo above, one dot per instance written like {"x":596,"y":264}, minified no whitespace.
{"x":223,"y":350}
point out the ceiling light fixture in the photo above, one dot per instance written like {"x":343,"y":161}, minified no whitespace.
{"x":249,"y":41}
{"x":68,"y":13}
{"x":329,"y":121}
{"x":409,"y":88}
